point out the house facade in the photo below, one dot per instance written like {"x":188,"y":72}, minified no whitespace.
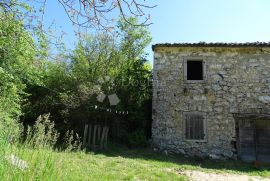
{"x":212,"y":100}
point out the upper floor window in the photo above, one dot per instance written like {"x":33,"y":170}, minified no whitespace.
{"x":194,"y":70}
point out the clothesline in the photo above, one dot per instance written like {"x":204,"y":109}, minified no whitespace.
{"x":109,"y":110}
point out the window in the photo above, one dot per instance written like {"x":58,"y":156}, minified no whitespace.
{"x":194,"y":70}
{"x":194,"y":126}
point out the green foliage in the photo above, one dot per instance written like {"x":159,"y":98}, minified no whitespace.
{"x":117,"y":163}
{"x":137,"y":138}
{"x":121,"y":59}
{"x":133,"y":39}
{"x":42,"y":134}
{"x":67,"y":89}
{"x":71,"y":87}
{"x":17,"y":51}
{"x":72,"y":141}
{"x":9,"y":98}
{"x":18,"y":68}
{"x":41,"y":165}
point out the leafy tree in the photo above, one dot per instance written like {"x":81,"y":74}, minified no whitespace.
{"x":67,"y":87}
{"x":70,"y":88}
{"x":19,"y":67}
{"x":122,"y":60}
{"x":134,"y":79}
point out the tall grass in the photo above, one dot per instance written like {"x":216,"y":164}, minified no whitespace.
{"x":42,"y":135}
{"x":37,"y":150}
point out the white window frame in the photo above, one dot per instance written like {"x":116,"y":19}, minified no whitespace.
{"x":185,"y":114}
{"x":203,"y":66}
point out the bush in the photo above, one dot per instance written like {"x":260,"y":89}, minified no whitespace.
{"x":72,"y":141}
{"x":42,"y":134}
{"x":137,"y":139}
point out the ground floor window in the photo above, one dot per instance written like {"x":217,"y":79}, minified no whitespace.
{"x":194,"y":126}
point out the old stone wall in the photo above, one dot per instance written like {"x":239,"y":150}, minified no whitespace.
{"x":237,"y":80}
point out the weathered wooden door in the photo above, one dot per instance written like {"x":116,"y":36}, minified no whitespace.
{"x":246,"y":150}
{"x":263,"y":140}
{"x":254,"y":140}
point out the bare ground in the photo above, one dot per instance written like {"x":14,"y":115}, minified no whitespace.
{"x":203,"y":176}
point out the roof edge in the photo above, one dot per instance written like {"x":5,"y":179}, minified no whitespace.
{"x":217,"y":44}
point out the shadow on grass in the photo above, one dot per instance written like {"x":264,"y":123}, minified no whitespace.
{"x":185,"y":162}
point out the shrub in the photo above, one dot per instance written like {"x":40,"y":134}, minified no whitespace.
{"x":43,"y":134}
{"x":72,"y":141}
{"x":137,"y":139}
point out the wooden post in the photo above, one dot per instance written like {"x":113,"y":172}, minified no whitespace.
{"x":89,"y":136}
{"x":85,"y":135}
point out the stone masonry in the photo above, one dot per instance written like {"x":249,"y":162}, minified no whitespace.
{"x":237,"y":80}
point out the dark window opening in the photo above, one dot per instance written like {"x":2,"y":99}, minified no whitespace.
{"x":195,"y":70}
{"x":194,"y":127}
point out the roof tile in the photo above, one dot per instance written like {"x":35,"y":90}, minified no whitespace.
{"x":211,"y":44}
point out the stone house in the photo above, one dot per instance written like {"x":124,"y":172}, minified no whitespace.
{"x":212,"y":100}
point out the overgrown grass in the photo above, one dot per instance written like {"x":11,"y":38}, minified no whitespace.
{"x":179,"y":162}
{"x":37,"y":150}
{"x":52,"y":165}
{"x":117,"y":163}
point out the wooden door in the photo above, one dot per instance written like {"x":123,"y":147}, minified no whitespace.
{"x":246,"y":150}
{"x":254,"y":140}
{"x":263,"y":140}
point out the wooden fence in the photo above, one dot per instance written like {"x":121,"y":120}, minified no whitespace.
{"x":95,"y":137}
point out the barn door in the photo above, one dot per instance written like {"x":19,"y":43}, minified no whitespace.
{"x":263,"y":140}
{"x":246,"y":150}
{"x":254,"y":140}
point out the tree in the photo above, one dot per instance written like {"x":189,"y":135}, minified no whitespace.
{"x":122,"y":59}
{"x":70,"y":89}
{"x":85,"y":13}
{"x":19,"y":67}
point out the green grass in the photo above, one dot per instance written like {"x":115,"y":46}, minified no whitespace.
{"x":118,"y":163}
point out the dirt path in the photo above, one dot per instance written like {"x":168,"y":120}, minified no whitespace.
{"x":202,"y":176}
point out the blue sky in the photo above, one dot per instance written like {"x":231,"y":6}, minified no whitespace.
{"x":193,"y":21}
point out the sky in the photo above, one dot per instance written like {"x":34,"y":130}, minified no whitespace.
{"x":178,"y":21}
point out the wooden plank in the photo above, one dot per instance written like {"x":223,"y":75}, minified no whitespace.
{"x":251,"y":116}
{"x":187,"y":128}
{"x":89,"y":135}
{"x":247,"y":135}
{"x":239,"y":139}
{"x":94,"y":135}
{"x":85,"y":135}
{"x":101,"y":144}
{"x":263,"y":140}
{"x":197,"y":129}
{"x":200,"y":129}
{"x":263,"y":136}
{"x":106,"y":137}
{"x":98,"y":134}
